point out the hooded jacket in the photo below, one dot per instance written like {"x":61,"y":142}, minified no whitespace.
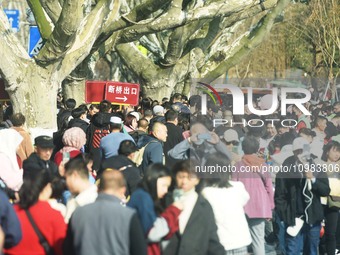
{"x":10,"y":172}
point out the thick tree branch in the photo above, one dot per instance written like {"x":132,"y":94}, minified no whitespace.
{"x":139,"y":13}
{"x":86,"y":35}
{"x":243,"y":46}
{"x":203,"y":43}
{"x":175,"y":18}
{"x":139,"y":64}
{"x":44,"y":23}
{"x":178,"y":40}
{"x":218,"y":25}
{"x":14,"y":57}
{"x":64,"y":32}
{"x":151,"y":46}
{"x":52,"y":8}
{"x":187,"y":64}
{"x":250,"y":12}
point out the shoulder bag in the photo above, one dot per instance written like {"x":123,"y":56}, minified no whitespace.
{"x":42,"y":240}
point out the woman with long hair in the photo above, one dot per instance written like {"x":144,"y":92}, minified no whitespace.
{"x":34,"y":195}
{"x":157,"y":222}
{"x":230,"y":218}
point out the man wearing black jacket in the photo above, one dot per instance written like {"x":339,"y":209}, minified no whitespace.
{"x":174,"y":134}
{"x":41,"y":158}
{"x":297,"y":195}
{"x":123,"y":163}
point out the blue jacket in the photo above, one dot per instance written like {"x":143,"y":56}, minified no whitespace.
{"x":9,"y":222}
{"x":142,"y":202}
{"x":153,"y":152}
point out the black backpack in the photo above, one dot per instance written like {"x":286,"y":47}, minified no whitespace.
{"x":99,"y":128}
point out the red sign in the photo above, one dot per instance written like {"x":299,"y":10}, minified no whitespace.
{"x":122,"y":93}
{"x":116,"y":92}
{"x":94,"y":91}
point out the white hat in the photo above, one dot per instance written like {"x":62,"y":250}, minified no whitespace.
{"x":299,"y":143}
{"x":115,"y":120}
{"x":136,"y":114}
{"x":158,"y":110}
{"x":230,"y":135}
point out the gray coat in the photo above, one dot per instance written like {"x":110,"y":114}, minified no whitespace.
{"x":105,"y":227}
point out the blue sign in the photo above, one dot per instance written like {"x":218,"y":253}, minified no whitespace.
{"x":35,"y":41}
{"x":13,"y":18}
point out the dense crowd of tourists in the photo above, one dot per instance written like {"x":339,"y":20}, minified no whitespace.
{"x":162,"y":178}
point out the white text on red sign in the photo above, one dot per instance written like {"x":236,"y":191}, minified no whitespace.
{"x":122,"y":90}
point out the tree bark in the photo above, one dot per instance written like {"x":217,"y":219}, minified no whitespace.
{"x":74,"y":89}
{"x":35,"y":97}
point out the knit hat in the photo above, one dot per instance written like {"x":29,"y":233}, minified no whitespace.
{"x":74,"y":137}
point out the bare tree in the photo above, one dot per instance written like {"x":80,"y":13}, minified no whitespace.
{"x":184,"y":39}
{"x":324,"y":28}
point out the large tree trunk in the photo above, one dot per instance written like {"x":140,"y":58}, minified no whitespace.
{"x":35,"y":97}
{"x":158,"y":88}
{"x":74,"y":89}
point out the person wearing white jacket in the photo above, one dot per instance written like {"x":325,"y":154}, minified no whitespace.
{"x":10,"y":172}
{"x":227,"y":199}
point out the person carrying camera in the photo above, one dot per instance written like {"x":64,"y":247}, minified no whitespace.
{"x":299,"y":186}
{"x":199,"y":145}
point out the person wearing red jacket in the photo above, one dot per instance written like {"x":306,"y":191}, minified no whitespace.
{"x":158,"y":223}
{"x":34,"y":193}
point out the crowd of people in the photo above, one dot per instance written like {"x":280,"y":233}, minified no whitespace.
{"x":163,"y":178}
